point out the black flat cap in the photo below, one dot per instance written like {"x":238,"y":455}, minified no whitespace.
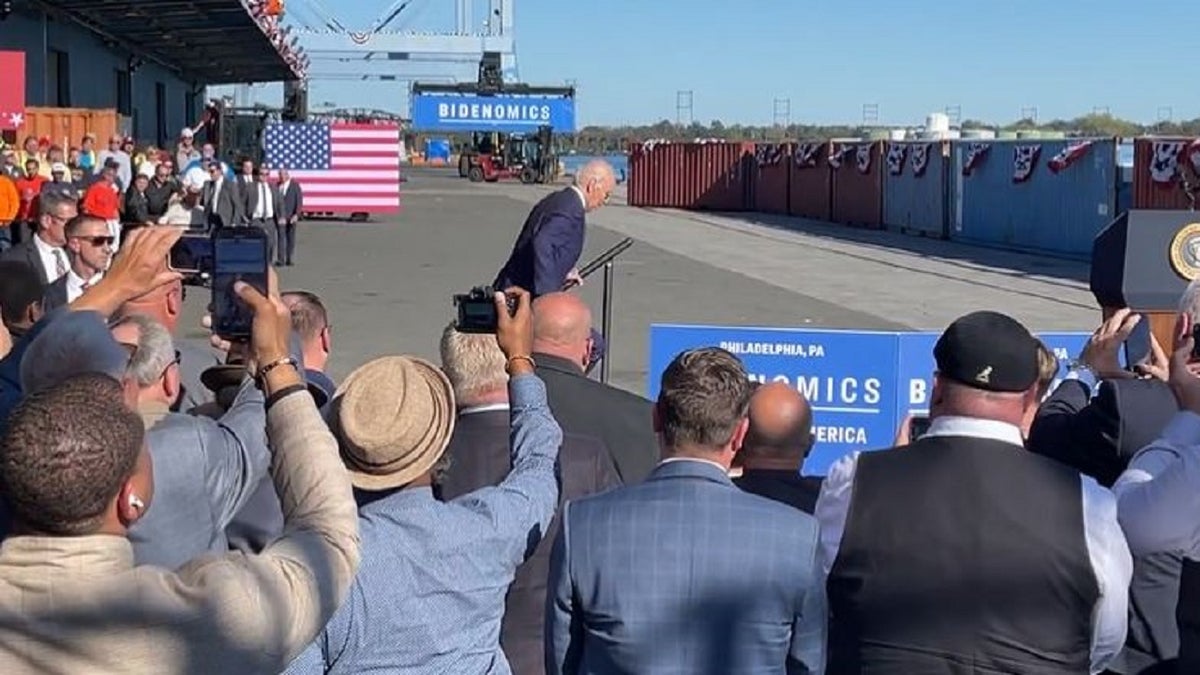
{"x":990,"y":351}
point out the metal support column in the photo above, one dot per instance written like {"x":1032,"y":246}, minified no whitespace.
{"x":606,"y":321}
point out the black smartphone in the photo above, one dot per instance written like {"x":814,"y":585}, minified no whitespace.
{"x":918,"y":425}
{"x":1137,"y":345}
{"x":239,"y":254}
{"x":192,"y":254}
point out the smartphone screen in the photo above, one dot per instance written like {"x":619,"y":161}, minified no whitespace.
{"x":238,"y":255}
{"x":1137,"y":345}
{"x":189,"y":254}
{"x":917,"y":427}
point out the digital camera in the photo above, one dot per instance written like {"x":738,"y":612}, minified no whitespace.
{"x":477,"y":310}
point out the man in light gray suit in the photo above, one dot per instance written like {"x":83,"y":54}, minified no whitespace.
{"x":684,"y":573}
{"x":222,"y":199}
{"x":262,"y":205}
{"x":293,"y":206}
{"x":205,"y":470}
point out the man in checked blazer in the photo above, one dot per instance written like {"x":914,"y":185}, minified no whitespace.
{"x":684,"y":573}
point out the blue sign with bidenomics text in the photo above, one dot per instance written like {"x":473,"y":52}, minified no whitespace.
{"x":860,"y":384}
{"x":501,"y":113}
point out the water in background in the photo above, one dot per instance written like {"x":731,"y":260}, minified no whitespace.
{"x":620,"y":163}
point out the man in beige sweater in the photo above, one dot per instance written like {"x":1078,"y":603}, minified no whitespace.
{"x":75,"y":475}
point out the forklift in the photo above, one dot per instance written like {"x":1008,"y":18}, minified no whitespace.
{"x":492,"y":156}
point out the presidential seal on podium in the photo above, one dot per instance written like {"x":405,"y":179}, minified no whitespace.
{"x":1185,"y":251}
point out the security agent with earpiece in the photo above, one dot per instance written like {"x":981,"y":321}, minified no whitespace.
{"x":995,"y":557}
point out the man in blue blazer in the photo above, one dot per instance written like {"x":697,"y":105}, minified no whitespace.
{"x":684,"y":573}
{"x":547,"y":251}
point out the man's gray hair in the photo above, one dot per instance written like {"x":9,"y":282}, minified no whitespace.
{"x":51,"y":200}
{"x":73,"y":343}
{"x":1190,"y":302}
{"x":474,"y":363}
{"x":155,"y":349}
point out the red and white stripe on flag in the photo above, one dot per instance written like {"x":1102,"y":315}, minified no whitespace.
{"x":1069,"y":156}
{"x":341,"y":167}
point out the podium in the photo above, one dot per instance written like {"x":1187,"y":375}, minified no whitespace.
{"x":1144,"y":260}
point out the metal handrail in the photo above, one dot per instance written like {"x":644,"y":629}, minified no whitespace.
{"x":606,"y":260}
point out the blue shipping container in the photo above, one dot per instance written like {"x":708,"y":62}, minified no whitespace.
{"x":918,"y":203}
{"x":1052,"y":213}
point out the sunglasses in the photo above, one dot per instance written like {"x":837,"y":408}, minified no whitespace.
{"x":101,"y":240}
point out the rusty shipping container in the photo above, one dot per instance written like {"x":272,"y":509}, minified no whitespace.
{"x":67,"y":126}
{"x":858,"y":184}
{"x":810,"y":189}
{"x":692,"y":175}
{"x":1159,"y":165}
{"x":772,"y":177}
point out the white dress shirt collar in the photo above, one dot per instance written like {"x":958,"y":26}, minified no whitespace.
{"x":695,"y":459}
{"x":582,"y":197}
{"x":75,"y":284}
{"x":489,"y":407}
{"x":951,"y":425}
{"x":49,"y":258}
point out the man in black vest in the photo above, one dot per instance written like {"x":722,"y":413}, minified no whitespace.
{"x":962,"y":552}
{"x":1159,"y":494}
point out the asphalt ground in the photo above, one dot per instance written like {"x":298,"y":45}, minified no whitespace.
{"x":388,"y":283}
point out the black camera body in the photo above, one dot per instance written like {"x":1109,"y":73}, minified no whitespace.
{"x":477,"y":310}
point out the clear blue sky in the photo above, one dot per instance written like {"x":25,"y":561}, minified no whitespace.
{"x":911,"y":57}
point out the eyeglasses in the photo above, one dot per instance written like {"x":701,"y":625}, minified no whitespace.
{"x":100,"y":240}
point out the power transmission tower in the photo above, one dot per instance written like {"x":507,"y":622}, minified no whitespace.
{"x":1030,"y":113}
{"x":783,"y":112}
{"x":870,"y":114}
{"x":1101,"y":110}
{"x":1165,"y":113}
{"x":683,"y":107}
{"x":954,"y":114}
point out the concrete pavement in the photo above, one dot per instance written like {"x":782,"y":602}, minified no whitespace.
{"x":389,"y":284}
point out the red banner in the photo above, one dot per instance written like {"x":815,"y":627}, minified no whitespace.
{"x":12,"y":90}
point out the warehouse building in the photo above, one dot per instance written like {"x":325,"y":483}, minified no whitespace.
{"x":150,"y":60}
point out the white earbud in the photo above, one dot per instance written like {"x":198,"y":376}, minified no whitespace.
{"x":135,"y":503}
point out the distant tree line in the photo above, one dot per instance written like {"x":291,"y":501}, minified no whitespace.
{"x":604,"y":139}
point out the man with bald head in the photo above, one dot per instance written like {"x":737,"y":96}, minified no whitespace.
{"x":563,"y":344}
{"x":546,"y":255}
{"x":778,"y":440}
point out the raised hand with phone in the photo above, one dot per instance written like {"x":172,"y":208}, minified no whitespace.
{"x":1129,"y":332}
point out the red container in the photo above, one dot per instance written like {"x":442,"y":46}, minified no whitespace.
{"x":772,"y":177}
{"x":1165,"y":192}
{"x":858,"y":184}
{"x":810,"y":189}
{"x":698,"y":175}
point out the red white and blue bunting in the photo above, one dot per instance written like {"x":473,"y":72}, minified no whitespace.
{"x":976,"y":153}
{"x":920,"y":158}
{"x":1025,"y":159}
{"x":805,"y":155}
{"x":1164,"y":163}
{"x":895,"y":158}
{"x":863,"y":158}
{"x":837,"y":152}
{"x":768,"y":154}
{"x":1069,"y":155}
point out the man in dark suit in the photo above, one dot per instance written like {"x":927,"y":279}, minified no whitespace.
{"x":480,"y":457}
{"x":262,"y":204}
{"x":685,"y":573}
{"x":562,"y":346}
{"x":45,"y":251}
{"x":547,"y":250}
{"x":90,"y":249}
{"x":222,"y":199}
{"x":21,"y":293}
{"x":1097,"y":418}
{"x":779,"y":439}
{"x":291,"y":206}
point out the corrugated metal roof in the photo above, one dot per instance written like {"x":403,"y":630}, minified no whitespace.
{"x":209,"y":41}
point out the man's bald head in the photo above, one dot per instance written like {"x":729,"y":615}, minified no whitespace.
{"x":596,"y":179}
{"x":562,"y":326}
{"x":780,"y":426}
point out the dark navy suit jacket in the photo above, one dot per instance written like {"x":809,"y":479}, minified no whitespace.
{"x":684,"y":574}
{"x":548,"y":247}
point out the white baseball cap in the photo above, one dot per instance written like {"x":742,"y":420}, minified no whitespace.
{"x":186,"y":133}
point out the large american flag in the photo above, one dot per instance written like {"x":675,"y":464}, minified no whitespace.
{"x":342,"y":168}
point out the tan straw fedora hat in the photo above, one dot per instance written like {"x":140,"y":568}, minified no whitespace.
{"x":393,"y":418}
